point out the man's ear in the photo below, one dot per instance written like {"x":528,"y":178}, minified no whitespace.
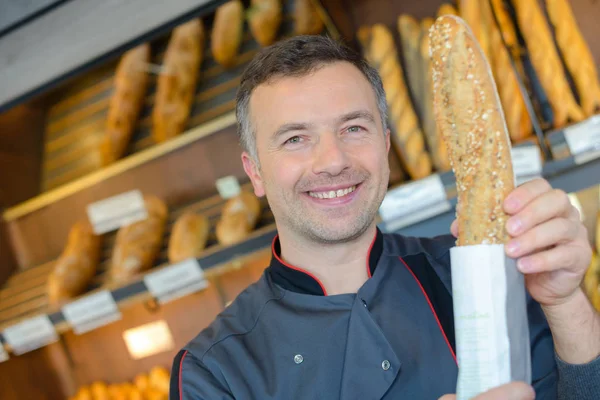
{"x":253,"y":173}
{"x":387,"y":140}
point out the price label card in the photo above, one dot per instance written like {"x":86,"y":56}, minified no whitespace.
{"x":583,"y":139}
{"x":228,"y":187}
{"x":527,"y":163}
{"x":30,"y":334}
{"x":92,"y":312}
{"x":3,"y":353}
{"x":176,"y":281}
{"x":117,"y":211}
{"x":414,"y":202}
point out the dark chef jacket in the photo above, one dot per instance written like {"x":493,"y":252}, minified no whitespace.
{"x":284,"y":338}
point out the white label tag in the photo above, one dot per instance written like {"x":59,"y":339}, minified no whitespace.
{"x":176,"y":281}
{"x":228,"y":187}
{"x":584,"y":137}
{"x":92,"y":312}
{"x":117,"y":211}
{"x":414,"y":202}
{"x":3,"y":353}
{"x":30,"y":334}
{"x":527,"y":163}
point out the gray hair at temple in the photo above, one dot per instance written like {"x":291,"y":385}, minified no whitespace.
{"x":296,"y":57}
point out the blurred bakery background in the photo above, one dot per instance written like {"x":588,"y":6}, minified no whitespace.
{"x":127,"y":222}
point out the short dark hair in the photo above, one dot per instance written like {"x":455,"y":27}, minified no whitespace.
{"x":295,"y":57}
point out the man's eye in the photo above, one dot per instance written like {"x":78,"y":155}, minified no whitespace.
{"x":354,"y":129}
{"x":293,"y":139}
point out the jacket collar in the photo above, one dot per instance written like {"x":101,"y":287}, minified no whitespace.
{"x":299,"y":280}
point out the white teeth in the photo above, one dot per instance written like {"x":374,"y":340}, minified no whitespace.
{"x":332,"y":194}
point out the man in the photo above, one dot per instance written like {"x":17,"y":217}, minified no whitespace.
{"x":344,"y":311}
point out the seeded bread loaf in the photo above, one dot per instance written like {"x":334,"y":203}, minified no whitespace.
{"x":380,"y":50}
{"x":469,"y":114}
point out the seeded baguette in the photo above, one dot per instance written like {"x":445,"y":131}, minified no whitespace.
{"x":407,"y":137}
{"x":469,"y":114}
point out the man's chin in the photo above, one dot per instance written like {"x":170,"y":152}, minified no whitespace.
{"x":331,"y":235}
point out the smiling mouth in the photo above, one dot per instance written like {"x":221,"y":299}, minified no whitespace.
{"x":332,"y":194}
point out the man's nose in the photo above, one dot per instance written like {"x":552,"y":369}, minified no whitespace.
{"x":330,"y":155}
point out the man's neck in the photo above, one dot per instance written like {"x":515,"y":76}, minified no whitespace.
{"x":341,"y":268}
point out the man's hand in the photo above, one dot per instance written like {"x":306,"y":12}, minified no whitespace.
{"x":510,"y":391}
{"x":551,"y":247}
{"x":548,"y":239}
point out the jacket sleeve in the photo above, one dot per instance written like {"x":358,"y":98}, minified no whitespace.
{"x":191,"y":380}
{"x":553,"y":378}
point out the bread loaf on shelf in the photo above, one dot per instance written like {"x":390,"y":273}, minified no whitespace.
{"x":188,"y":237}
{"x":471,"y":12}
{"x":176,"y":85}
{"x":546,"y":62}
{"x":306,"y":18}
{"x":137,"y":245}
{"x":264,"y":20}
{"x":446,"y":9}
{"x":435,"y":141}
{"x":379,"y":49}
{"x":131,"y":81}
{"x":410,"y":37}
{"x":576,"y":53}
{"x":507,"y":80}
{"x":238,"y":218}
{"x":76,"y":266}
{"x":468,"y":112}
{"x":227,"y":32}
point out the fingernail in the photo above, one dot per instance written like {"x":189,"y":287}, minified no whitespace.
{"x":514,"y":225}
{"x":525,"y":265}
{"x":512,"y":247}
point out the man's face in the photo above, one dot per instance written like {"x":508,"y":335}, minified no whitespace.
{"x":322,"y":153}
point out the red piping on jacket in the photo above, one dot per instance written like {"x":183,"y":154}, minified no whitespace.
{"x":369,"y":255}
{"x":295,"y":268}
{"x":432,"y":309}
{"x":180,"y":374}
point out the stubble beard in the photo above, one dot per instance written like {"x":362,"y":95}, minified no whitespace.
{"x":318,"y":227}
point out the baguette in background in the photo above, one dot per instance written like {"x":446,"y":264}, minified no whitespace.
{"x":137,"y":245}
{"x":264,"y":20}
{"x":76,"y":266}
{"x":131,"y":81}
{"x":227,"y":32}
{"x":306,"y":18}
{"x":188,"y":237}
{"x":379,"y":49}
{"x":546,"y":62}
{"x":176,"y":86}
{"x":410,"y":37}
{"x":576,"y":53}
{"x":469,"y":114}
{"x":238,"y":218}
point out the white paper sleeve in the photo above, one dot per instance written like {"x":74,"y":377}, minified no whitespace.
{"x":490,"y":319}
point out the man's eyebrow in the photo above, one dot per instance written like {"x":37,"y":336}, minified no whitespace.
{"x":285,"y":128}
{"x":360,"y":114}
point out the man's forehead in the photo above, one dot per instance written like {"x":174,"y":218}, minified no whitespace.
{"x":313,"y":92}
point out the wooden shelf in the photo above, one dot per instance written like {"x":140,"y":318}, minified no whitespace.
{"x":24,"y":294}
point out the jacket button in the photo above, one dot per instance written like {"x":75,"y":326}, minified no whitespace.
{"x":385,"y":365}
{"x":298,"y":358}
